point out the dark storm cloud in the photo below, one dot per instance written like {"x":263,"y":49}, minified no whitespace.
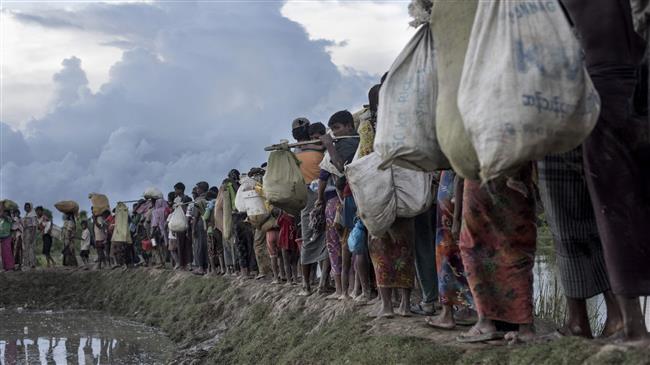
{"x":202,"y":88}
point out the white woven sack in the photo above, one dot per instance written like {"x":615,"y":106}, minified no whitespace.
{"x":525,"y":92}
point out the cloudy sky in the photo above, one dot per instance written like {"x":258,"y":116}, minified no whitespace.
{"x":114,"y":97}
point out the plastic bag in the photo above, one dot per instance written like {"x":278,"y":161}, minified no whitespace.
{"x":357,"y":239}
{"x":451,"y":25}
{"x":249,"y":200}
{"x":525,"y":92}
{"x":178,"y":220}
{"x":383,"y":195}
{"x":406,"y":133}
{"x":284,"y":186}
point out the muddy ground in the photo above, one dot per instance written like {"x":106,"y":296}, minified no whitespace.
{"x":230,"y":321}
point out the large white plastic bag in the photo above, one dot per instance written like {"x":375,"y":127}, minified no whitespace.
{"x":525,"y":92}
{"x":246,"y":184}
{"x":178,"y":221}
{"x":249,"y":200}
{"x":382,"y":196}
{"x":406,"y":133}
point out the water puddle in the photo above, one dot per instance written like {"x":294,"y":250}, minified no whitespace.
{"x":78,"y":337}
{"x":549,"y":299}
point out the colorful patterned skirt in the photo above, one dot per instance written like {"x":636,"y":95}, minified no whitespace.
{"x":332,"y":236}
{"x":453,"y":288}
{"x":393,"y":255}
{"x":497,"y":244}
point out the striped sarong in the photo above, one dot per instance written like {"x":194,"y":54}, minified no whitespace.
{"x":570,"y":216}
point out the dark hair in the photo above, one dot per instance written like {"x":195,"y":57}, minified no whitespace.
{"x":214,"y":189}
{"x":84,"y":223}
{"x":211,"y":195}
{"x":317,"y":128}
{"x":234,"y":171}
{"x":264,"y":164}
{"x":38,"y":208}
{"x":301,"y":133}
{"x":180,"y":186}
{"x":343,"y":117}
{"x":373,"y":97}
{"x":171,"y":196}
{"x":254,"y":171}
{"x":203,"y":186}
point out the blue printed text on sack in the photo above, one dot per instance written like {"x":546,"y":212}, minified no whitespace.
{"x":560,"y":108}
{"x":528,"y":8}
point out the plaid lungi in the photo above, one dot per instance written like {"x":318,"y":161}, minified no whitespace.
{"x":570,"y":216}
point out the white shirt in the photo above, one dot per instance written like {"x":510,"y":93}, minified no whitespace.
{"x":85,"y":240}
{"x":47,"y":227}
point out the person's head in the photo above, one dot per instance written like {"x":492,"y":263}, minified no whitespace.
{"x":170,"y":197}
{"x":28,"y":207}
{"x":341,"y":123}
{"x":233,"y":175}
{"x":84,"y":224}
{"x":264,"y":164}
{"x":106,"y":214}
{"x":214,"y":189}
{"x":39,"y":211}
{"x":202,"y":187}
{"x":179,"y":189}
{"x":317,"y":130}
{"x":373,"y":98}
{"x":256,"y":172}
{"x":300,"y":129}
{"x":210,"y":195}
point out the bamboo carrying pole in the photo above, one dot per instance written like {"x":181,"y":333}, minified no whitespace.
{"x":280,"y":146}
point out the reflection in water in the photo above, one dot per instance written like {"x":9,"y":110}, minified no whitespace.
{"x":550,"y":304}
{"x":78,"y":337}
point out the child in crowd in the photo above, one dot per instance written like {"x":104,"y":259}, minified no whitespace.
{"x":85,"y":243}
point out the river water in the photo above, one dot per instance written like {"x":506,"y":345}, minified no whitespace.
{"x":78,"y":337}
{"x":549,"y":300}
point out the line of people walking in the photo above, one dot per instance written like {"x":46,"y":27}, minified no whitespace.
{"x":465,"y":239}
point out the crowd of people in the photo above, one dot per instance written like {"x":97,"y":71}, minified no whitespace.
{"x":470,"y":255}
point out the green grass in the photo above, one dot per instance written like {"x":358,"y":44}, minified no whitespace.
{"x":194,"y":309}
